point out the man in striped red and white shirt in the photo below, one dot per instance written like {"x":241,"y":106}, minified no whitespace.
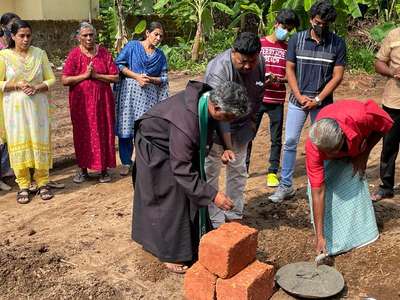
{"x":273,"y":49}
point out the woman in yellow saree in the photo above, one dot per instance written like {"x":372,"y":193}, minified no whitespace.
{"x":25,"y":76}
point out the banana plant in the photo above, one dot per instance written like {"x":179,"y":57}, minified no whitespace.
{"x":199,"y":12}
{"x":243,"y":8}
{"x":344,"y":8}
{"x":114,"y":12}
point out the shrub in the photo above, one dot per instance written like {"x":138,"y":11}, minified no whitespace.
{"x":359,"y":58}
{"x":179,"y":56}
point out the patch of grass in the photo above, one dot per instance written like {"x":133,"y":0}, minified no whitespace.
{"x":360,"y":58}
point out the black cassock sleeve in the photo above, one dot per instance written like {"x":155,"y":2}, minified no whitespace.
{"x":182,"y":154}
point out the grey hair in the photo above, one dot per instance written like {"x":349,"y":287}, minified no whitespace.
{"x":326,"y":134}
{"x":84,"y":25}
{"x":231,"y":98}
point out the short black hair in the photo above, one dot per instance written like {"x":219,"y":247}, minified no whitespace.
{"x":247,"y":43}
{"x":287,"y":16}
{"x":325,"y":10}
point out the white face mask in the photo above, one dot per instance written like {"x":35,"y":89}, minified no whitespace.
{"x":281,"y":34}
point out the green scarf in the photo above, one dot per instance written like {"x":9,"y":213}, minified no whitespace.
{"x":203,"y":127}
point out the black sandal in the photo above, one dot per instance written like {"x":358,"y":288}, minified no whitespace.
{"x":23,"y":196}
{"x":45,"y":193}
{"x":380,"y":195}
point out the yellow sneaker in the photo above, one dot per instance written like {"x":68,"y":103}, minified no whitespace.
{"x":272,"y":180}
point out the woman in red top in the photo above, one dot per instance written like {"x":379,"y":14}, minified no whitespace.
{"x":345,"y":129}
{"x":88,"y":71}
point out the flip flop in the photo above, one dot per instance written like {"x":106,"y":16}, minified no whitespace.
{"x":176,"y":268}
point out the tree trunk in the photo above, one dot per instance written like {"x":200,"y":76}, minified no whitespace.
{"x":121,"y":37}
{"x":197,"y":42}
{"x":242,"y":23}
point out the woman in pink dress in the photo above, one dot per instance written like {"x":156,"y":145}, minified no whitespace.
{"x":88,"y":71}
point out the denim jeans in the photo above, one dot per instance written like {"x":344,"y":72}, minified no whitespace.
{"x":295,"y":119}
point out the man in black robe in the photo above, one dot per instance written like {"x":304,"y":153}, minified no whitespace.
{"x":168,"y":187}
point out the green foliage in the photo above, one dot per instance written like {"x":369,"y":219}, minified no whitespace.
{"x":106,"y":35}
{"x":257,"y":10}
{"x":380,"y":31}
{"x":361,"y":59}
{"x":344,"y":9}
{"x":191,"y":12}
{"x":194,"y":13}
{"x":108,"y":15}
{"x":388,"y":10}
{"x":179,"y":56}
{"x":140,"y":27}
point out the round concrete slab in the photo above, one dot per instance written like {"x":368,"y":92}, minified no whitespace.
{"x":305,"y":280}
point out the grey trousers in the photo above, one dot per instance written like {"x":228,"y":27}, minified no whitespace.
{"x":235,"y":182}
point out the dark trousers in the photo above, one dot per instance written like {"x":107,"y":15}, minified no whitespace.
{"x":275,"y":114}
{"x":125,"y":147}
{"x":390,"y":150}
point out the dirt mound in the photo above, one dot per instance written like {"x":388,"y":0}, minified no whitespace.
{"x":35,"y":270}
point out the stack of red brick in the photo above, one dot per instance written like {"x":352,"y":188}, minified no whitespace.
{"x":227,"y":268}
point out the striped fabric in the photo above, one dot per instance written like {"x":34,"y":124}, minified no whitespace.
{"x":349,"y":220}
{"x":315,"y":62}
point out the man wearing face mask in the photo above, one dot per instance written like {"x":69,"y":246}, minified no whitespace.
{"x":273,"y":49}
{"x":315,"y":65}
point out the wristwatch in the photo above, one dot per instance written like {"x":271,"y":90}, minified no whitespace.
{"x":318,"y":101}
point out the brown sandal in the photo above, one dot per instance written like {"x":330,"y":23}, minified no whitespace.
{"x":45,"y":193}
{"x":176,"y":268}
{"x":23,"y":196}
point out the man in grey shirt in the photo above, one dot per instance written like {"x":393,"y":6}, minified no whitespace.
{"x":243,"y":65}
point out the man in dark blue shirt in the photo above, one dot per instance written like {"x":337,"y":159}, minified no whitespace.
{"x":315,"y":66}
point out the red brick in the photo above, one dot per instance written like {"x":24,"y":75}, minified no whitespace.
{"x":199,"y":283}
{"x":256,"y":282}
{"x":229,"y":249}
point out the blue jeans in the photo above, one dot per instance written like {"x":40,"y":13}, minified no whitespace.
{"x":295,"y":119}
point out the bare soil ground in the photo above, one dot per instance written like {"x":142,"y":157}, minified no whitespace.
{"x":78,"y":245}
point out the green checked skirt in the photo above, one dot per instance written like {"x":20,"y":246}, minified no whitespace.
{"x":349,"y":220}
